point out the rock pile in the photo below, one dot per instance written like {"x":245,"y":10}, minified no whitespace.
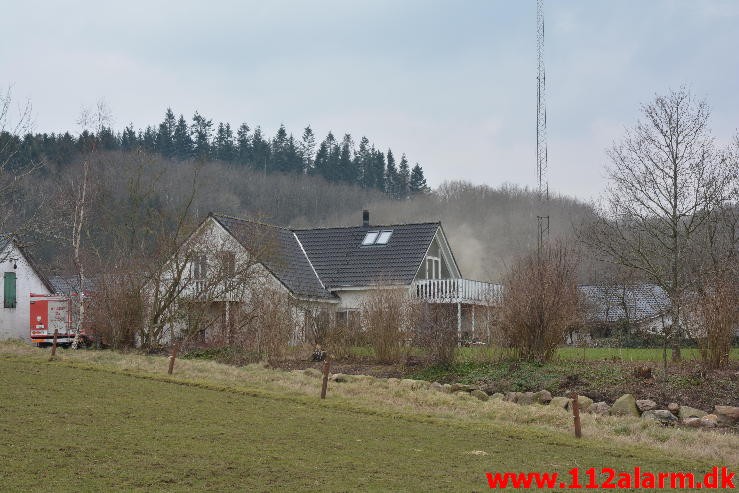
{"x":626,"y":405}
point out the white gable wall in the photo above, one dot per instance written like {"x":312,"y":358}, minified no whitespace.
{"x":15,"y":322}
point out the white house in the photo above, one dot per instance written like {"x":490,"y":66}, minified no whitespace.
{"x":331,"y":271}
{"x":21,"y":277}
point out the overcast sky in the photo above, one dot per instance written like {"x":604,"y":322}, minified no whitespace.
{"x":450,"y":83}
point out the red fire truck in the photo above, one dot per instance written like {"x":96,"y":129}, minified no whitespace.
{"x":50,"y":312}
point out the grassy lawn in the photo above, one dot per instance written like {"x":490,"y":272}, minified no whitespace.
{"x":478,"y":354}
{"x":83,"y":426}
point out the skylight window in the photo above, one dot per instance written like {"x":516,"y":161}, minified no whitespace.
{"x":370,"y":238}
{"x":376,"y":238}
{"x":383,"y":238}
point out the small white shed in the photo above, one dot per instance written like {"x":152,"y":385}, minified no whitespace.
{"x":20,"y":278}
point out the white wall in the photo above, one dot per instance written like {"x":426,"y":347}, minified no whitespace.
{"x":352,"y":299}
{"x":14,"y":322}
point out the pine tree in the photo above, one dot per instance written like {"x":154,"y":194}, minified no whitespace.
{"x":243,"y":145}
{"x":328,"y":165}
{"x":362,"y":163}
{"x":182,"y":140}
{"x":260,"y":151}
{"x":165,"y":135}
{"x":307,"y":148}
{"x":376,"y":170}
{"x":279,"y":151}
{"x":128,"y":138}
{"x":293,"y":156}
{"x":391,"y":175}
{"x":418,"y":182}
{"x":320,"y":164}
{"x":404,"y":178}
{"x":148,"y":139}
{"x":347,"y":170}
{"x":201,"y":131}
{"x":223,"y":144}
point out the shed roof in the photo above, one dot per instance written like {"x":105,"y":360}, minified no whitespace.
{"x":635,"y":302}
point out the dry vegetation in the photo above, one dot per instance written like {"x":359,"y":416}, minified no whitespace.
{"x":540,"y":303}
{"x":370,"y":395}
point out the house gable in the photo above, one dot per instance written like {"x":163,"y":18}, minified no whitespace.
{"x":280,"y":252}
{"x":439,"y":261}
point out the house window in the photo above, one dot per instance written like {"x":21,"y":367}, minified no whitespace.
{"x":348,"y":319}
{"x":200,"y":266}
{"x":384,"y":237}
{"x":433,"y":268}
{"x":377,"y":237}
{"x":9,"y":292}
{"x":370,"y":238}
{"x":228,"y":264}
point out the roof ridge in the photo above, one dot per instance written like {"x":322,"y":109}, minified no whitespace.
{"x":371,"y":226}
{"x":246,"y":220}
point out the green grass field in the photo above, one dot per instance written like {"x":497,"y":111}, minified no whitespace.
{"x":85,"y":426}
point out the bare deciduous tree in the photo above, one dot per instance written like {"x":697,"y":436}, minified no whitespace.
{"x":13,"y":170}
{"x":665,"y":180}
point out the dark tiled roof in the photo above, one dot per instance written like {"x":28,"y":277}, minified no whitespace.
{"x":70,"y":285}
{"x":642,"y":302}
{"x":279,"y":250}
{"x":341,"y":261}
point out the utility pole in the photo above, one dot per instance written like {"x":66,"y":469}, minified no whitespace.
{"x":542,"y":217}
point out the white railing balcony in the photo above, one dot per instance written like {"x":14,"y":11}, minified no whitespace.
{"x":457,"y":291}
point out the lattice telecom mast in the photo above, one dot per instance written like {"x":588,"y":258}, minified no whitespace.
{"x":541,"y":131}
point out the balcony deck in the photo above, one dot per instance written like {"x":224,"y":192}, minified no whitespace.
{"x":465,"y":291}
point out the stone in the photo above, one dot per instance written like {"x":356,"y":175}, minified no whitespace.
{"x":479,"y":394}
{"x":662,"y":416}
{"x":727,"y":415}
{"x":625,"y":406}
{"x":646,"y":405}
{"x":339,"y":378}
{"x":513,"y":396}
{"x":497,"y":396}
{"x":460,"y":386}
{"x":525,"y":398}
{"x":601,"y":408}
{"x":673,"y":407}
{"x":542,"y":397}
{"x":561,"y":402}
{"x":436,"y":386}
{"x":584,"y":402}
{"x":709,"y":421}
{"x":690,"y":412}
{"x":692,"y":422}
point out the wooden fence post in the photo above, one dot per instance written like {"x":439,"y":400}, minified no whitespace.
{"x":172,"y":357}
{"x":53,"y":346}
{"x":576,"y":415}
{"x":326,"y":369}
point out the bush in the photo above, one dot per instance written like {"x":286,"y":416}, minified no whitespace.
{"x":387,"y":316}
{"x":116,"y":311}
{"x":714,"y":310}
{"x":436,"y":333}
{"x":540,"y":303}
